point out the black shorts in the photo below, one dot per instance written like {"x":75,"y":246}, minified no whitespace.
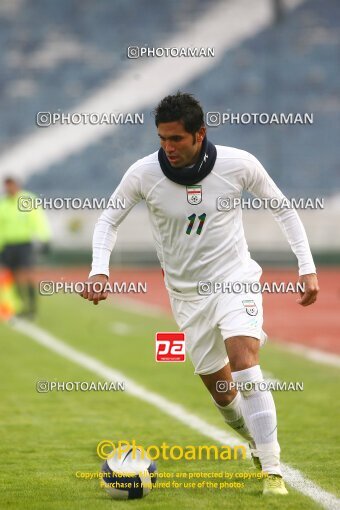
{"x":18,"y":256}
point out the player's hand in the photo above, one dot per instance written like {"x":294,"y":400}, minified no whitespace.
{"x":95,"y":292}
{"x":310,"y":282}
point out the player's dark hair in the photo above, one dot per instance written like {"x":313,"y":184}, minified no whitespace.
{"x":180,"y":107}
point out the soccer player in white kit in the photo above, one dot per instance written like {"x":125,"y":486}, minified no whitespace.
{"x":188,"y":186}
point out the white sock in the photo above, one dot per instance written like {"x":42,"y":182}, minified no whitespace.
{"x":258,"y":409}
{"x":232,"y":414}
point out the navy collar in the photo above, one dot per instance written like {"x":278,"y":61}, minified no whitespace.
{"x":189,"y":176}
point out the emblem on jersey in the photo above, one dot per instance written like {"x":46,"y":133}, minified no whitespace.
{"x":250,"y":306}
{"x":194,"y":194}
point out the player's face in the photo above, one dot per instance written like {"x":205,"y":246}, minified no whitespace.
{"x":181,"y":148}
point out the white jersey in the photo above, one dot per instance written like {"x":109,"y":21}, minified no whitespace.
{"x":195,"y":241}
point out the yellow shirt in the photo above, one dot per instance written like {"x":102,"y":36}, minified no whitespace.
{"x":21,"y":221}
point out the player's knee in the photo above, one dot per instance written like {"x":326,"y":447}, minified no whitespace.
{"x":243,"y":362}
{"x":243,"y":352}
{"x":244,"y":358}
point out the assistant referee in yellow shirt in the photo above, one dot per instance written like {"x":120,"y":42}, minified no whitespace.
{"x":18,"y":230}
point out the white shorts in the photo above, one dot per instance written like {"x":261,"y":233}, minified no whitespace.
{"x":208,"y":321}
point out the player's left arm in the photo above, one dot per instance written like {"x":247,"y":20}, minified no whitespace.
{"x":261,"y":185}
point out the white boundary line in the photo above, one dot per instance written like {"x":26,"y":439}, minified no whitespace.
{"x":325,"y":358}
{"x":294,"y":477}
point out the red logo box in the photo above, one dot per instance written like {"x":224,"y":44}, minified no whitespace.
{"x":170,"y":346}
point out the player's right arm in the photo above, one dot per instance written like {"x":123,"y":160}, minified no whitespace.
{"x":124,"y":198}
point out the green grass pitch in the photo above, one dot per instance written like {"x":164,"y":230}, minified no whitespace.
{"x":47,"y":438}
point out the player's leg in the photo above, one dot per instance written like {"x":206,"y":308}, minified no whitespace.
{"x":205,"y":347}
{"x":24,"y":278}
{"x":11,"y":260}
{"x":240,"y":319}
{"x":218,"y":385}
{"x":258,"y":407}
{"x":24,"y":274}
{"x":227,"y":400}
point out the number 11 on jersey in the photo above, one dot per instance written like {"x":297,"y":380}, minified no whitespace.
{"x":192,"y":219}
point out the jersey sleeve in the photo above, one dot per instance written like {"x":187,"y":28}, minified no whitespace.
{"x":260,"y":184}
{"x":128,"y":193}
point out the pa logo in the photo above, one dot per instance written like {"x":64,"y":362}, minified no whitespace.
{"x":194,"y":194}
{"x":250,"y":306}
{"x":170,"y":346}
